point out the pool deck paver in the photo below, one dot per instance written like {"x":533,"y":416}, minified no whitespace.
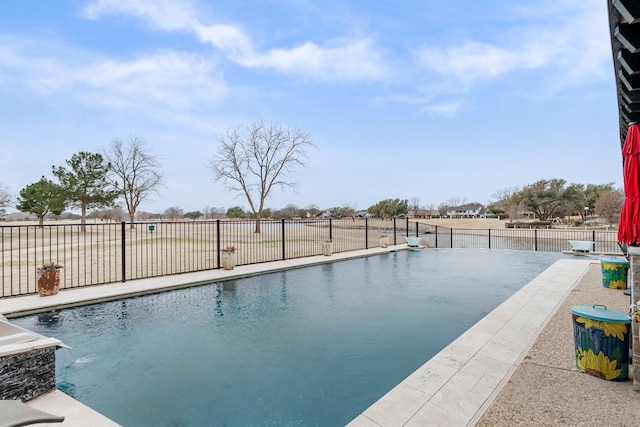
{"x":452,"y":389}
{"x":75,"y":413}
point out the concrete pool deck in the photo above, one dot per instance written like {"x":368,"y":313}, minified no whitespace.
{"x":454,"y":388}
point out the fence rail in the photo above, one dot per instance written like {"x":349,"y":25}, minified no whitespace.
{"x":117,"y":252}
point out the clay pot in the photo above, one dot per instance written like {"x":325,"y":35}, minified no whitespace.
{"x":49,"y":279}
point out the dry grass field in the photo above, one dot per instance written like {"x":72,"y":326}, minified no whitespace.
{"x":471,"y":223}
{"x":109,"y":252}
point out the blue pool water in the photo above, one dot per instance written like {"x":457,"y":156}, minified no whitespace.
{"x":310,"y":346}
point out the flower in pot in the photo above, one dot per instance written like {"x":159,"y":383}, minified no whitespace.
{"x":635,"y":311}
{"x":49,"y":279}
{"x":229,"y":258}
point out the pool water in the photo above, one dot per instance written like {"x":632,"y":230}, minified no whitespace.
{"x":309,"y":346}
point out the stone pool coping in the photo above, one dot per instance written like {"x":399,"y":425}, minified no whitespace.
{"x":453,"y":388}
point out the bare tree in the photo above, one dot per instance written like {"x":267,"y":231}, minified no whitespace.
{"x":313,"y":210}
{"x":609,"y":205}
{"x":414,"y":206}
{"x":506,"y":201}
{"x":254,"y":159}
{"x":456,"y":201}
{"x":114,"y":213}
{"x":135,"y":172}
{"x":290,"y":211}
{"x":442,"y":209}
{"x":173,"y":213}
{"x":5,"y":197}
{"x":213,"y":212}
{"x":430,"y":210}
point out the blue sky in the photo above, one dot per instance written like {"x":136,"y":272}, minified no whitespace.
{"x":430,"y":99}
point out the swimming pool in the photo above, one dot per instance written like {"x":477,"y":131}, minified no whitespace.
{"x":310,"y":346}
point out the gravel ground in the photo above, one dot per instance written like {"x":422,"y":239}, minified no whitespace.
{"x":548,"y":390}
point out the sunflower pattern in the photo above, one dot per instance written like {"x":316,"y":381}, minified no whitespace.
{"x":618,"y":330}
{"x":618,"y":284}
{"x":610,"y":266}
{"x":614,"y":275}
{"x":602,"y":348}
{"x":599,"y":366}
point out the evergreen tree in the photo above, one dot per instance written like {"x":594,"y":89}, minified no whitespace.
{"x":40,"y":198}
{"x":85,"y":184}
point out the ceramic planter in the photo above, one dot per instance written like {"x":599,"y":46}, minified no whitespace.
{"x":327,"y":248}
{"x":48,"y":279}
{"x":229,"y":258}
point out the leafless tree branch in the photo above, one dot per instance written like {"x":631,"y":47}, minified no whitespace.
{"x":254,"y":159}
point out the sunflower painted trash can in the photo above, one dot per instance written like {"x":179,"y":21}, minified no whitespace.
{"x":601,"y":339}
{"x":614,"y":272}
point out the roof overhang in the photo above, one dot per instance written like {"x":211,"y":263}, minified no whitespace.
{"x":624,"y":25}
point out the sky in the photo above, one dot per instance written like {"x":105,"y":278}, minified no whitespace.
{"x":429,"y":99}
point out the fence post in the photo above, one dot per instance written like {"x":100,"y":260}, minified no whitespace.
{"x":330,"y":230}
{"x":489,"y":238}
{"x":407,"y":225}
{"x":417,"y":229}
{"x":218,"y":241}
{"x":284,"y":256}
{"x":366,"y":233}
{"x":395,"y":242}
{"x":594,"y":239}
{"x":124,"y":254}
{"x":451,"y":237}
{"x":535,"y":240}
{"x":436,"y":236}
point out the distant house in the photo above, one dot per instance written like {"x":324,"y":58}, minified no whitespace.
{"x":466,"y":211}
{"x":362,"y":214}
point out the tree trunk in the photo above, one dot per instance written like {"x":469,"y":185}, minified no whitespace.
{"x":83,"y":219}
{"x":131,"y":218}
{"x":257,"y":224}
{"x":40,"y":220}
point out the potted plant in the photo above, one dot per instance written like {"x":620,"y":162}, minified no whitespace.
{"x":48,"y":279}
{"x":635,"y":311}
{"x":327,"y":247}
{"x":229,"y":258}
{"x":384,"y":241}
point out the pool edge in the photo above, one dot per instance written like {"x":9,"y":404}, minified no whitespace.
{"x":458,"y":384}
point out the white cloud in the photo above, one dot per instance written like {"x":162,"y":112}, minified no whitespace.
{"x":572,"y":50}
{"x":555,"y":46}
{"x":339,"y":59}
{"x":174,"y":79}
{"x":476,"y":60}
{"x":227,"y":38}
{"x":165,"y":15}
{"x":448,"y":110}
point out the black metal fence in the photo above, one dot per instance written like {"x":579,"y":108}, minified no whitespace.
{"x":545,"y":240}
{"x":116,"y":252}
